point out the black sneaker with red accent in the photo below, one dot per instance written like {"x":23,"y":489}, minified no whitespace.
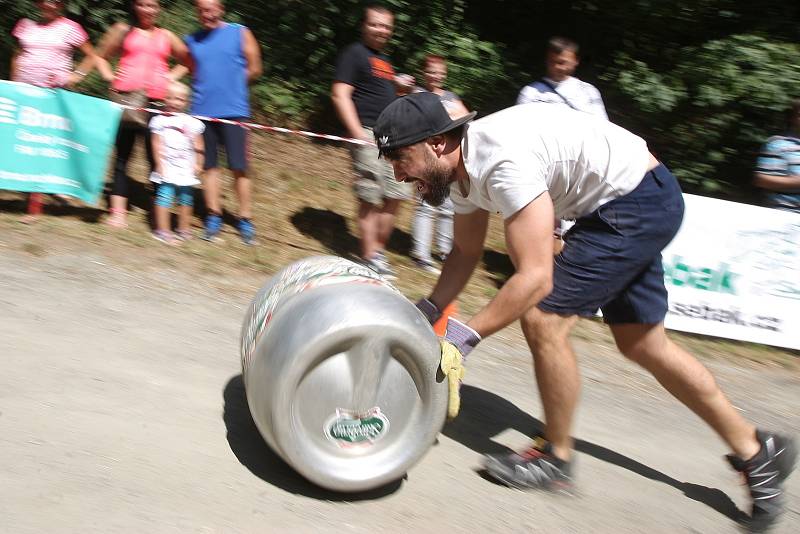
{"x":764,"y":474}
{"x":536,"y":467}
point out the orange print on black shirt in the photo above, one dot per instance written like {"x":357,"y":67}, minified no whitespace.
{"x":381,"y":68}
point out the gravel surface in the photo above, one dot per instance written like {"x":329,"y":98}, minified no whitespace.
{"x":122,"y":410}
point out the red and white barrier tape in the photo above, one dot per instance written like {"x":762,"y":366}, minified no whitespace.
{"x":254,"y":126}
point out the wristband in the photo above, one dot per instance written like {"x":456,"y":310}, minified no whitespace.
{"x":461,"y":336}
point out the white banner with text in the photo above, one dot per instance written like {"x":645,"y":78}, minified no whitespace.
{"x":733,"y":271}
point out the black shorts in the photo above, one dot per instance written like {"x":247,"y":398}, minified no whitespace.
{"x":612,"y":257}
{"x":233,"y":138}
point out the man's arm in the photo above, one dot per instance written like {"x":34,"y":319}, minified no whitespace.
{"x":342,"y":97}
{"x":252,"y":53}
{"x":775,"y":182}
{"x":529,"y":236}
{"x":469,"y":233}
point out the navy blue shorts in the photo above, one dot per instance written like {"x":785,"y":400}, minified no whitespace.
{"x":612,"y":257}
{"x":232,"y":137}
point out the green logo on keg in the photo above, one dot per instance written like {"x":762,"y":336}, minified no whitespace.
{"x":350,"y":429}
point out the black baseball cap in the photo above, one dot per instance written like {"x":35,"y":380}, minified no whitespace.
{"x":413,"y":118}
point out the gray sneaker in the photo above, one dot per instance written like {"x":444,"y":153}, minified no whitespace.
{"x":765,"y":473}
{"x":534,"y":468}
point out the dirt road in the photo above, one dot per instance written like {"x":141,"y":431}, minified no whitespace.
{"x":122,"y":410}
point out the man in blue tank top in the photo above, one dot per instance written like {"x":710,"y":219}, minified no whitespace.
{"x":226,"y":59}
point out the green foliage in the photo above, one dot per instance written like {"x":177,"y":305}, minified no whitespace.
{"x":704,"y":81}
{"x":301,"y":41}
{"x":708,"y":114}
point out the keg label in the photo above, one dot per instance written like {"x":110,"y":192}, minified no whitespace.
{"x":350,"y":429}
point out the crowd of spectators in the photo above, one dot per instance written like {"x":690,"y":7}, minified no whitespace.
{"x":224,"y":58}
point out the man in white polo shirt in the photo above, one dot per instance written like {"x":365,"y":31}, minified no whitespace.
{"x":531,"y":163}
{"x":560,"y":86}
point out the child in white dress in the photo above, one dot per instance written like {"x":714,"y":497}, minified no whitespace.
{"x":178,"y":151}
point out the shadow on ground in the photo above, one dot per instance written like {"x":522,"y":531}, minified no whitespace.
{"x":53,"y":206}
{"x":139,"y":196}
{"x":485,"y":415}
{"x":331,"y":230}
{"x":252,"y":452}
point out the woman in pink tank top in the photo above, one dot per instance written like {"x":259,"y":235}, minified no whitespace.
{"x":144,"y":51}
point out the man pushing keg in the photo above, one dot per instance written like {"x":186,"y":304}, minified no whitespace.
{"x":532,"y":164}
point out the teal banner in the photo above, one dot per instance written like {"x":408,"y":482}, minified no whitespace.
{"x":55,"y":141}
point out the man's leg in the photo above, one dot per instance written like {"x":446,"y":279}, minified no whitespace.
{"x":556,"y":374}
{"x":368,"y":224}
{"x":244,"y":192}
{"x":385,"y":218}
{"x":764,"y":458}
{"x":211,"y":181}
{"x":236,"y":148}
{"x":236,"y":142}
{"x":688,"y":380}
{"x":211,"y":190}
{"x":247,"y":230}
{"x":546,"y":464}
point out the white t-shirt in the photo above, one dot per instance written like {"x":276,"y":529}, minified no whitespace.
{"x":581,"y":95}
{"x":177,"y":132}
{"x":516,"y":154}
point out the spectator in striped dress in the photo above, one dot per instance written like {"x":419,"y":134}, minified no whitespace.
{"x":44,"y":58}
{"x":778,"y":165}
{"x":144,"y":50}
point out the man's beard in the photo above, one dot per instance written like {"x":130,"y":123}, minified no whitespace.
{"x":437,"y":181}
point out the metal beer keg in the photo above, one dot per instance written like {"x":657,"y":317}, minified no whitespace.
{"x":341,"y":374}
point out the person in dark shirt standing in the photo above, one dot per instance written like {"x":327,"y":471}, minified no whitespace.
{"x":365,"y":84}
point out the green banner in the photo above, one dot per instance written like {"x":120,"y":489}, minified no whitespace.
{"x":54,"y":141}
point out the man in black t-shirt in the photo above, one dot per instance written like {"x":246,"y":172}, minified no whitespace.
{"x":365,"y":84}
